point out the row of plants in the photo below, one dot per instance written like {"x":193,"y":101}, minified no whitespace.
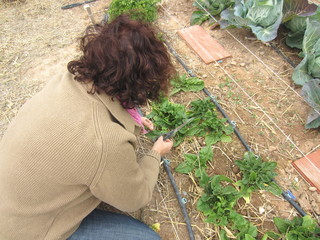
{"x":264,"y":18}
{"x":221,"y":194}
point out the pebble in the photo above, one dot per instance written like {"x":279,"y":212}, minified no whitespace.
{"x":233,"y":63}
{"x":272,"y":148}
{"x":312,"y":189}
{"x":261,"y":210}
{"x":235,"y":169}
{"x":242,"y":64}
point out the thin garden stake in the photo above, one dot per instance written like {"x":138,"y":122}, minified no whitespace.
{"x":286,"y":195}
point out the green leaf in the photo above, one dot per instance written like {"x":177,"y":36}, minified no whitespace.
{"x":293,"y":8}
{"x":248,"y":237}
{"x":198,"y":17}
{"x":272,"y":235}
{"x":212,"y":139}
{"x":282,"y":224}
{"x":274,"y":189}
{"x":206,"y":153}
{"x":263,"y":17}
{"x":184,"y":83}
{"x":225,"y":138}
{"x":184,"y":167}
{"x":311,"y":93}
{"x":309,"y":224}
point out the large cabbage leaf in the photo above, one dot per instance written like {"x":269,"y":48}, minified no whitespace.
{"x":262,"y":16}
{"x":298,"y":25}
{"x":293,"y":8}
{"x":309,"y":67}
{"x":311,"y":93}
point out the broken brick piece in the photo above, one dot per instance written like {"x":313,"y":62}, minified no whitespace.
{"x":208,"y":49}
{"x":309,"y":168}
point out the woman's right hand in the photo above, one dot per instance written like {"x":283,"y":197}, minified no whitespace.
{"x":162,"y":146}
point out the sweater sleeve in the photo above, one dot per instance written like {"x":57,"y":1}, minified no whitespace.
{"x":122,"y":180}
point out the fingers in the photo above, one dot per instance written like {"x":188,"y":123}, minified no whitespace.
{"x":147,"y":123}
{"x":162,"y":146}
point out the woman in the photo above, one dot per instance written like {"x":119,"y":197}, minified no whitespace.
{"x":73,"y":144}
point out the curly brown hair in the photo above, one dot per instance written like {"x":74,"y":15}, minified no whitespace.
{"x":124,"y":59}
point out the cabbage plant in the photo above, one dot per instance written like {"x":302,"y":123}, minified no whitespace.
{"x":263,"y":17}
{"x":296,"y":13}
{"x":311,"y":92}
{"x":309,"y":67}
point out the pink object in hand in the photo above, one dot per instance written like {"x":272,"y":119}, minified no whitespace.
{"x":137,"y":117}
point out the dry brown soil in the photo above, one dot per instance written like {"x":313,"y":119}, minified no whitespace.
{"x":253,"y":86}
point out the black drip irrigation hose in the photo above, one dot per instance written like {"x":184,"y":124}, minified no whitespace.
{"x":287,"y":195}
{"x":182,"y":201}
{"x":283,"y":55}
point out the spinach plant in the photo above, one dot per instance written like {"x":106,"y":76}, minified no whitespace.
{"x":218,"y":202}
{"x":207,"y":123}
{"x":145,"y":10}
{"x":298,"y":228}
{"x":167,"y":116}
{"x":185,"y":84}
{"x":196,"y":161}
{"x":256,"y":174}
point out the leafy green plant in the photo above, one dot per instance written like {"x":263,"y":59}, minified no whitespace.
{"x":294,"y":8}
{"x":207,"y":123}
{"x":297,"y":24}
{"x":207,"y":9}
{"x":298,"y":228}
{"x":167,"y":116}
{"x":311,"y":92}
{"x":217,"y":204}
{"x":256,"y":174}
{"x":263,"y":17}
{"x":218,"y":201}
{"x":185,"y":84}
{"x":309,"y":67}
{"x":196,"y":161}
{"x":145,"y":10}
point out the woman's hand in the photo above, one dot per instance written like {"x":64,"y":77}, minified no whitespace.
{"x":162,"y":146}
{"x":147,"y":123}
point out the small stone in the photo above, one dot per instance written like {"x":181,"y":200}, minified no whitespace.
{"x":312,"y":189}
{"x":204,"y":75}
{"x":235,"y":169}
{"x":272,"y":148}
{"x":261,"y":210}
{"x":233,"y":63}
{"x":242,"y":64}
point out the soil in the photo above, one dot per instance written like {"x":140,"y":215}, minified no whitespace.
{"x":254,"y":87}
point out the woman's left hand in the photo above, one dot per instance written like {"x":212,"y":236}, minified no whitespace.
{"x":147,"y":123}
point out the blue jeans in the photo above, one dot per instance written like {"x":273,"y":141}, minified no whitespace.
{"x":102,"y":225}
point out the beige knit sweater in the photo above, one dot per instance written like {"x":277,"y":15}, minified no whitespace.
{"x":65,"y":152}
